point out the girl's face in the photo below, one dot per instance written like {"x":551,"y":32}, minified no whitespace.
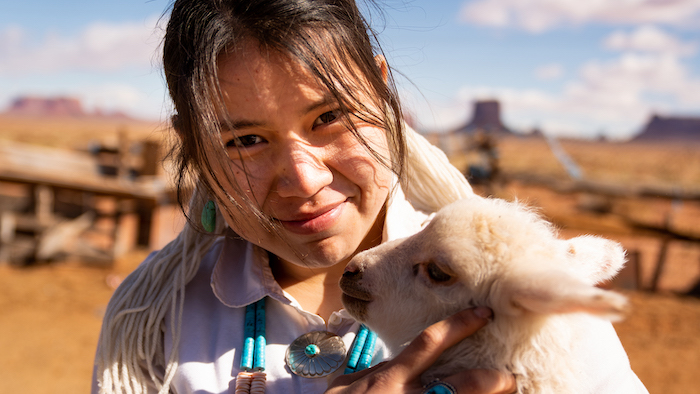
{"x":293,"y":155}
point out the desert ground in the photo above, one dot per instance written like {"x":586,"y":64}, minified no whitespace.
{"x":50,"y":314}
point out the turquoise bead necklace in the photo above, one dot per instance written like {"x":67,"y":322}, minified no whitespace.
{"x":313,"y":355}
{"x":362,"y":350}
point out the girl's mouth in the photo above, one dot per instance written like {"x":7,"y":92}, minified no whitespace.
{"x":316,"y":222}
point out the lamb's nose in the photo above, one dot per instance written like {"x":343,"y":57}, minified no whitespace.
{"x":352,"y":271}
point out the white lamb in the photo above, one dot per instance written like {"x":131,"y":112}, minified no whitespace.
{"x":489,"y":252}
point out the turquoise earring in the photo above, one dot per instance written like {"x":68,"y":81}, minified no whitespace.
{"x":209,"y":216}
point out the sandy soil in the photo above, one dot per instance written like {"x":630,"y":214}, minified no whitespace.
{"x":50,"y":318}
{"x":662,"y":341}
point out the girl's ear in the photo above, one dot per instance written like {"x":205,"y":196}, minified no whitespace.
{"x":383,"y":67}
{"x":594,"y":259}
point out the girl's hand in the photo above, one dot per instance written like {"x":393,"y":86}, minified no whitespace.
{"x":402,"y":374}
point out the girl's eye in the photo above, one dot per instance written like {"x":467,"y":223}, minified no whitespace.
{"x":327,"y":117}
{"x":245,"y":141}
{"x":436,"y":274}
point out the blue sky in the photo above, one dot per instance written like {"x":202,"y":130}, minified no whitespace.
{"x":568,"y":67}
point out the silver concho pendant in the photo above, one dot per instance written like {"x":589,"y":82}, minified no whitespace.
{"x":315,"y":354}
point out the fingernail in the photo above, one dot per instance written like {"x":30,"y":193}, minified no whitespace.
{"x":483,"y":312}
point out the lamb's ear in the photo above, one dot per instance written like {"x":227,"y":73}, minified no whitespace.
{"x":556,"y":292}
{"x":594,"y":259}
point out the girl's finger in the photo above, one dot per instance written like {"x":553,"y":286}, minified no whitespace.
{"x":423,"y":351}
{"x":348,"y":379}
{"x":483,"y":381}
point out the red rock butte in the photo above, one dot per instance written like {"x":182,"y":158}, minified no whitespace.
{"x":670,"y":129}
{"x":39,"y":106}
{"x":486,"y":118}
{"x":55,"y":107}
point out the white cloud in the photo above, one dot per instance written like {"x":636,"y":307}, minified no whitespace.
{"x":542,"y":15}
{"x":12,"y":37}
{"x":649,"y":38}
{"x":112,"y":97}
{"x":615,"y":97}
{"x":549,"y":72}
{"x":103,"y":47}
{"x":117,"y":97}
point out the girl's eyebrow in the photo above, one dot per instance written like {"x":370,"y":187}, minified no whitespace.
{"x":326,"y":100}
{"x":241,"y":124}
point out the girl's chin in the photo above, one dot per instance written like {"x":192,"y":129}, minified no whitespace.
{"x":320,"y":257}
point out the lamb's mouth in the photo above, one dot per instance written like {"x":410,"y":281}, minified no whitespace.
{"x":352,"y":290}
{"x":356,"y":307}
{"x":355,"y":299}
{"x":347,"y":298}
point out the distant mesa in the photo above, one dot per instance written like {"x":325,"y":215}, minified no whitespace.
{"x":37,"y":106}
{"x":670,"y":129}
{"x":486,"y":118}
{"x":30,"y":106}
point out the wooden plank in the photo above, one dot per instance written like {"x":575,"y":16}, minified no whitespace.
{"x":23,"y":163}
{"x":61,"y":237}
{"x":8,"y":223}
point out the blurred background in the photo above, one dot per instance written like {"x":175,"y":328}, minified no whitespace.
{"x":589,"y":111}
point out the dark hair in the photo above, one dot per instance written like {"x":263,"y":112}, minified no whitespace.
{"x":330,"y":38}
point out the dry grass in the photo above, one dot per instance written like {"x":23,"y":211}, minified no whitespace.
{"x":670,"y":164}
{"x":76,"y":133}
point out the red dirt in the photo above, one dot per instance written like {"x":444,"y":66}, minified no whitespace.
{"x":50,"y":318}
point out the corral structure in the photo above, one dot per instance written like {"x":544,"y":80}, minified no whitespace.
{"x":94,"y":205}
{"x":477,"y":135}
{"x":476,"y":140}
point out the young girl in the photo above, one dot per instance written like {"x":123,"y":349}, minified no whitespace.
{"x":290,"y":135}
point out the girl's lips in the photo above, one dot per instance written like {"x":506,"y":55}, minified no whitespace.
{"x":316,"y":223}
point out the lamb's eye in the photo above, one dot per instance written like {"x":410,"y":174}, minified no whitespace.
{"x":436,"y":274}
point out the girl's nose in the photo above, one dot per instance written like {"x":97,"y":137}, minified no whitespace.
{"x":303,"y":171}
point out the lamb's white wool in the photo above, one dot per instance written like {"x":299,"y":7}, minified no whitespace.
{"x":488,"y":252}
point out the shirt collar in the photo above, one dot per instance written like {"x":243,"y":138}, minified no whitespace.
{"x":242,"y":273}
